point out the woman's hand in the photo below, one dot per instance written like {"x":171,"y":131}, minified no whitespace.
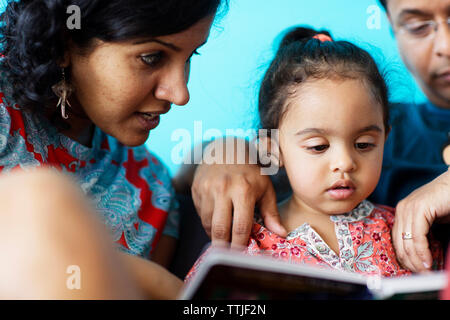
{"x":415,"y":214}
{"x":225,"y":196}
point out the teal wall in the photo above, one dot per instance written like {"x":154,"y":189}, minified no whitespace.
{"x":224,"y":79}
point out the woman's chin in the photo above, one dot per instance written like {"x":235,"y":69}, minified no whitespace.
{"x":133,"y":140}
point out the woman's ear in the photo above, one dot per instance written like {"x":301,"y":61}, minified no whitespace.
{"x":66,"y":59}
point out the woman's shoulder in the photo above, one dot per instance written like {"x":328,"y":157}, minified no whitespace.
{"x":140,"y":160}
{"x":24,"y":137}
{"x":10,"y":119}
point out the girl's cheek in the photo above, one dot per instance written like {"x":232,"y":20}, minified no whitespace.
{"x":306,"y":170}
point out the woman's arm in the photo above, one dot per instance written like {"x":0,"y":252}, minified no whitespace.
{"x":165,"y":250}
{"x":155,"y":281}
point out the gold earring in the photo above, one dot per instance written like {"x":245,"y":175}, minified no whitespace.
{"x":63,"y":90}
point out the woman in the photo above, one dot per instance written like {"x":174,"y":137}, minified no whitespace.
{"x":83,"y":100}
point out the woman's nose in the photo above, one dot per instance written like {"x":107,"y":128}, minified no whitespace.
{"x":172,"y":87}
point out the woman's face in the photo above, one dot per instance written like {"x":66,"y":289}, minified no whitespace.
{"x":124,"y":87}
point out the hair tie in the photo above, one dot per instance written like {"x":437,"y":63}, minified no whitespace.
{"x":322,"y":37}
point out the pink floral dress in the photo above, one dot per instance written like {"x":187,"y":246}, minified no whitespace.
{"x":364,"y":237}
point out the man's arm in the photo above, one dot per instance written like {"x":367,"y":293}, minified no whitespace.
{"x":225,"y":195}
{"x":415,"y":214}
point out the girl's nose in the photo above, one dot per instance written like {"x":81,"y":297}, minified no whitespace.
{"x":343,"y":162}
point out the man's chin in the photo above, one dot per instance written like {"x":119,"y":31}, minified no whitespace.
{"x":442,"y":100}
{"x":439,"y":95}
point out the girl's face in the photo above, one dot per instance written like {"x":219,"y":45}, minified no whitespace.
{"x":123,"y":87}
{"x":331,"y":142}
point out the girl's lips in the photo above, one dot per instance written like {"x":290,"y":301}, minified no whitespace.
{"x":147,"y":122}
{"x":341,"y":193}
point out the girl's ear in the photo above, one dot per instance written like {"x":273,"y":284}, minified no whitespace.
{"x":280,"y":158}
{"x":388,"y":130}
{"x":269,"y":151}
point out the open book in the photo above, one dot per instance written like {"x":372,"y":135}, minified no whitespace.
{"x":229,"y":275}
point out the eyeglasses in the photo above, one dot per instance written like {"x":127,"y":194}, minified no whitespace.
{"x":422,"y":29}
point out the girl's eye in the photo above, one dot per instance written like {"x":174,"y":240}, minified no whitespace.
{"x":152,"y":59}
{"x":364,"y":145}
{"x":320,"y":148}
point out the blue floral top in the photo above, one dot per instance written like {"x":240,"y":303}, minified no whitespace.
{"x":130,"y":188}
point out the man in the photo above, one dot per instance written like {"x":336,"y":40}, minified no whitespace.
{"x":415,"y":177}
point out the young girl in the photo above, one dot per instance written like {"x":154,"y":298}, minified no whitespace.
{"x":329,"y":103}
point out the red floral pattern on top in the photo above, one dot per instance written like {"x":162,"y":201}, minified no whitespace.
{"x":364,"y":237}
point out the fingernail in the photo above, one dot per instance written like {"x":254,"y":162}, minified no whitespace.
{"x":426,"y":265}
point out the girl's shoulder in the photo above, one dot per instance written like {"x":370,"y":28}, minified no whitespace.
{"x":367,"y":213}
{"x":386,"y":213}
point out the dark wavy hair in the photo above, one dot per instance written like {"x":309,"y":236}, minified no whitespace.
{"x":35,"y":35}
{"x":302,"y":58}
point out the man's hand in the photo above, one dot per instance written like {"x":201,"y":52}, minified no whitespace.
{"x":225,"y":196}
{"x":415,"y":214}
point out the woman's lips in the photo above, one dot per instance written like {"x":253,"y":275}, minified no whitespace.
{"x":148,"y":121}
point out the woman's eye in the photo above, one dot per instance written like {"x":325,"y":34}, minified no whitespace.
{"x":364,"y":145}
{"x":319,"y":148}
{"x":152,"y":59}
{"x":195,"y":53}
